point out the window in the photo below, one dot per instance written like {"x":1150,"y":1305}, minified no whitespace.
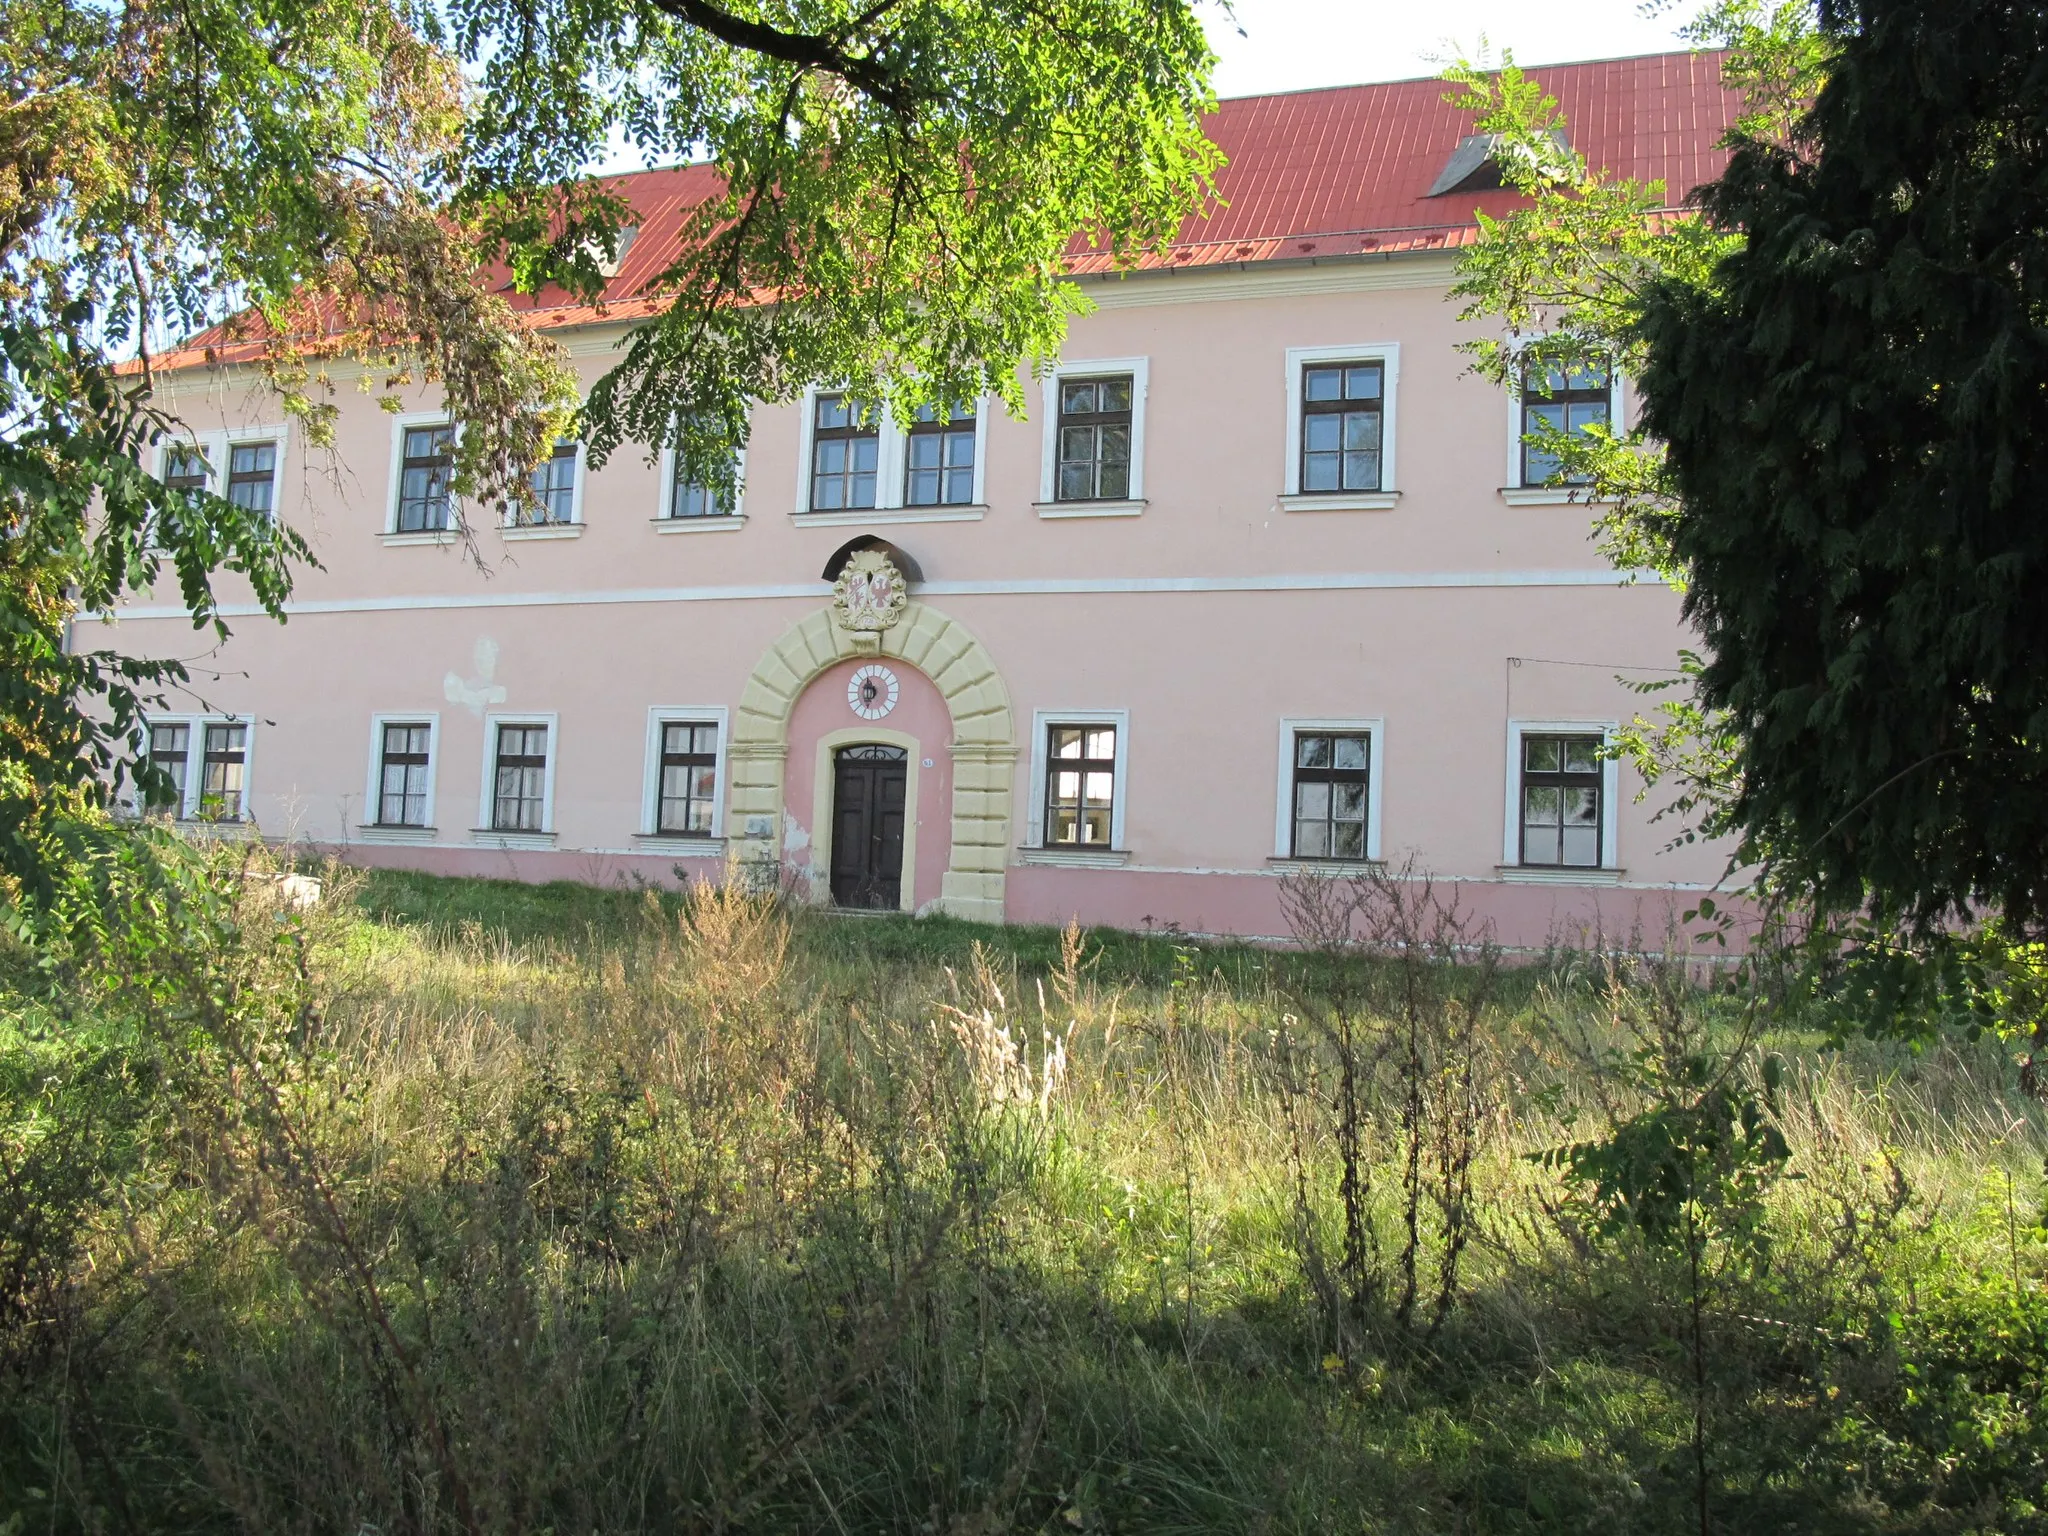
{"x":239,"y":463}
{"x":184,"y":467}
{"x":1094,"y":438}
{"x":426,"y":465}
{"x":684,"y":497}
{"x":1563,"y":399}
{"x":554,"y":490}
{"x":688,"y":793}
{"x":941,"y":458}
{"x":1341,"y":426}
{"x":170,"y":749}
{"x":252,"y":476}
{"x":1562,"y":787}
{"x":691,"y":498}
{"x":405,"y":754}
{"x":1332,"y":790}
{"x":519,"y":779}
{"x":1080,"y":785}
{"x":184,"y":470}
{"x":221,"y":784}
{"x":846,"y":443}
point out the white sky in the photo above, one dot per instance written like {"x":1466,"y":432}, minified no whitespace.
{"x":1293,"y":44}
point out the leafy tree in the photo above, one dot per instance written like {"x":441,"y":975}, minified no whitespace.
{"x":896,"y":182}
{"x":1560,"y":283}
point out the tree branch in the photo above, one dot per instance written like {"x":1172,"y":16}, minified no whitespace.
{"x":812,"y":50}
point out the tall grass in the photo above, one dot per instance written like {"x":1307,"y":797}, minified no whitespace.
{"x":484,"y":1208}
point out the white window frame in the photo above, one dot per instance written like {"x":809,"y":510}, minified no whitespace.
{"x":1617,"y":397}
{"x":457,"y":522}
{"x":373,"y":798}
{"x":1140,"y":370}
{"x":1388,"y":355}
{"x":215,"y":445}
{"x":1610,"y":786}
{"x":487,"y":789}
{"x":195,"y":760}
{"x":1283,"y":804}
{"x":665,"y":494}
{"x":1042,"y":720}
{"x":892,"y":464}
{"x":507,"y":522}
{"x":658,"y":716}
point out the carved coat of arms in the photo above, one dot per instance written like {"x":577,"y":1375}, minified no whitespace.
{"x":870,"y":594}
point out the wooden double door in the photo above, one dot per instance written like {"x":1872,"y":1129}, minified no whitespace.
{"x":868,"y":793}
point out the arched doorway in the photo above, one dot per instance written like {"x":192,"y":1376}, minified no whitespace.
{"x":982,"y":748}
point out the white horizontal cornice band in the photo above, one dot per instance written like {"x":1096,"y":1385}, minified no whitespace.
{"x":1275,"y":280}
{"x":1051,"y":586}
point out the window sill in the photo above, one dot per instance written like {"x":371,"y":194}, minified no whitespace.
{"x":1557,"y":874}
{"x":1340,"y":501}
{"x":682,"y":844}
{"x":699,"y":524}
{"x":1287,"y":864}
{"x":396,"y":834}
{"x":234,"y":827}
{"x":864,"y":517}
{"x":520,"y":532}
{"x":1075,"y":858}
{"x":429,"y":536}
{"x":489,"y":838}
{"x":1548,"y":496}
{"x":1089,"y":508}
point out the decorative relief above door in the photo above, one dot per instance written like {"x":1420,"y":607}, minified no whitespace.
{"x":870,"y":594}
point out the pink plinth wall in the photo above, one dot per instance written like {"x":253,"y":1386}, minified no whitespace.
{"x":1522,"y":918}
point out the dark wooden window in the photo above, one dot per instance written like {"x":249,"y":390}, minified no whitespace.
{"x":519,"y":803}
{"x":846,"y":445}
{"x":689,"y":778}
{"x":1332,"y":788}
{"x":1341,"y":426}
{"x":1564,"y":400}
{"x":221,"y":786}
{"x":554,"y":489}
{"x":426,"y":469}
{"x":1561,"y":789}
{"x":1080,"y":785}
{"x":252,"y":475}
{"x":170,"y":749}
{"x":941,"y":458}
{"x":184,"y":468}
{"x":402,"y":777}
{"x":1094,"y":439}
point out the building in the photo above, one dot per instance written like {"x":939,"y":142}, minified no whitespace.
{"x":1267,"y":582}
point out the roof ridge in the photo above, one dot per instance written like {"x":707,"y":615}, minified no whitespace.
{"x":1367,"y":85}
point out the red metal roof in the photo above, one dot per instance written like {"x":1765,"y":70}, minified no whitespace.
{"x":1311,"y":174}
{"x":1348,"y":170}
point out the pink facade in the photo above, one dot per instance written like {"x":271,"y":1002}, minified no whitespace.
{"x":1206,"y":617}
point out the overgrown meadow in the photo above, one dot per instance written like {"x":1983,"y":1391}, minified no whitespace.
{"x":471,"y":1207}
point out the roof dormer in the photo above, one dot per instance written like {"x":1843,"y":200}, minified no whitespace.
{"x":1475,"y":165}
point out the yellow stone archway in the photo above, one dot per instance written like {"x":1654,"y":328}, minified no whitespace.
{"x":984,"y":744}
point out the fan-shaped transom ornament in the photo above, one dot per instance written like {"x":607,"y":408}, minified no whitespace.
{"x":870,"y":594}
{"x":872,"y":692}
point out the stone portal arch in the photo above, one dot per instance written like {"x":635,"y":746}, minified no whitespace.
{"x":984,"y":745}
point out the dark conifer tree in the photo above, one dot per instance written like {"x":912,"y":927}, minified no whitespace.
{"x":1857,"y":420}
